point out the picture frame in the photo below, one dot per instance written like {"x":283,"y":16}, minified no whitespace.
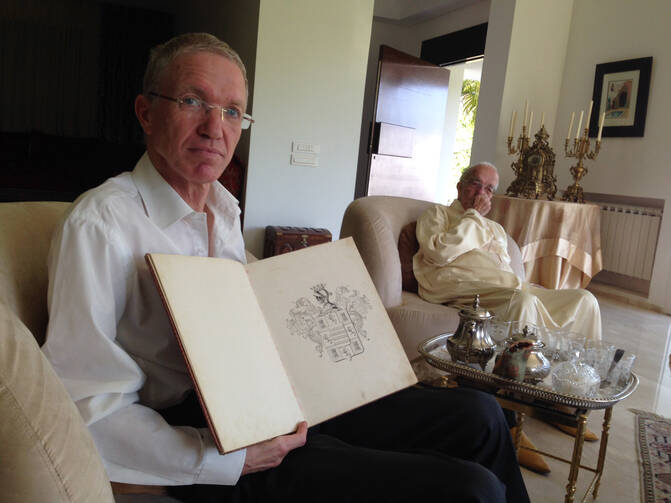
{"x":621,"y":90}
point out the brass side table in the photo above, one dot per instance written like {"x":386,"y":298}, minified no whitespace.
{"x":541,"y":402}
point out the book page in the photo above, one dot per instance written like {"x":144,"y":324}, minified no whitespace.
{"x":333,"y":334}
{"x":228,"y":348}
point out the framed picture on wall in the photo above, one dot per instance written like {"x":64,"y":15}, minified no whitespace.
{"x":621,"y":91}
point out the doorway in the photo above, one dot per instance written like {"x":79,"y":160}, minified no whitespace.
{"x":459,"y":123}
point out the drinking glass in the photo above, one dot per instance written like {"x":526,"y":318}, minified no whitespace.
{"x":500,"y":331}
{"x":621,"y":372}
{"x":571,"y":345}
{"x":599,"y":354}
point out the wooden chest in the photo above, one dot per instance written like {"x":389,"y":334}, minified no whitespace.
{"x":283,"y":239}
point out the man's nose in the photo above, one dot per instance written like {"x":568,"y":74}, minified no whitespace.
{"x":212,"y":125}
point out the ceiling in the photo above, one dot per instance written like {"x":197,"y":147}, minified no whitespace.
{"x":408,"y":12}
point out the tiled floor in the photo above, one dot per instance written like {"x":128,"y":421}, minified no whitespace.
{"x":646,"y":334}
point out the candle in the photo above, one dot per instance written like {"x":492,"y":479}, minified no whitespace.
{"x":589,"y":114}
{"x":603,"y":118}
{"x":577,"y":131}
{"x":570,"y":125}
{"x":512,"y":123}
{"x":543,"y":119}
{"x":526,"y":109}
{"x":531,"y":118}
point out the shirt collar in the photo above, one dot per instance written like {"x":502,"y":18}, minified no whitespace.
{"x":456,"y":205}
{"x":165,"y":206}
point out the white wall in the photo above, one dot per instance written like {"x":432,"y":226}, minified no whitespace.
{"x":524,"y":60}
{"x":614,"y":30}
{"x":309,"y":83}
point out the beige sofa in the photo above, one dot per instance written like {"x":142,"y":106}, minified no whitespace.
{"x":48,"y":455}
{"x":375,"y":223}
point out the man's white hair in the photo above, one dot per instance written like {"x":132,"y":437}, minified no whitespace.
{"x":469,"y":173}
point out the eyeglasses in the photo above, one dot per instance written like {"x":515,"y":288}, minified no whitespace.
{"x":195,"y":106}
{"x":478,"y":185}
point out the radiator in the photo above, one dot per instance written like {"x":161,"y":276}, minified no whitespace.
{"x":629,"y":239}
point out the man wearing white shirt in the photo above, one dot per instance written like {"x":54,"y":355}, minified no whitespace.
{"x":110,"y":341}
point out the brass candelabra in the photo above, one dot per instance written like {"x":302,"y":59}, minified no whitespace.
{"x":580,"y":150}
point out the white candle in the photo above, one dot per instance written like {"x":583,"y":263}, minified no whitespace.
{"x":543,"y":119}
{"x":589,"y":114}
{"x":570,"y":125}
{"x":526,"y":109}
{"x":531,"y":118}
{"x":577,"y":131}
{"x":603,"y":118}
{"x":512,"y":123}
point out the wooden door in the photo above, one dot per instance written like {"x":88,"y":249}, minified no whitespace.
{"x":408,"y":126}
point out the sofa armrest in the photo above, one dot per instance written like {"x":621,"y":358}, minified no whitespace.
{"x":48,"y":453}
{"x":375,"y":223}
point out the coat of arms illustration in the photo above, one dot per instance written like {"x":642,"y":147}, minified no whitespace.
{"x":334,"y":322}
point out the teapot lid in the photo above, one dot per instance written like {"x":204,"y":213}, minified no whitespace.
{"x":528,"y":335}
{"x":475,"y":312}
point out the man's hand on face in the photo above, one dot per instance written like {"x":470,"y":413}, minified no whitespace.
{"x":482,"y":204}
{"x":270,"y":453}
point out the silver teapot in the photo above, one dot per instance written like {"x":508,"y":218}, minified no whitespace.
{"x":522,"y":359}
{"x":471,"y":343}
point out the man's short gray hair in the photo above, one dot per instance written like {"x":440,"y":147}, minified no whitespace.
{"x":469,"y":173}
{"x":161,"y":56}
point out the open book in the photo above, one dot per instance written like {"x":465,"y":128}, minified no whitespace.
{"x":300,"y":336}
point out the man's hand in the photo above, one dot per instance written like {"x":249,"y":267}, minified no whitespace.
{"x":482,"y":204}
{"x":270,"y":453}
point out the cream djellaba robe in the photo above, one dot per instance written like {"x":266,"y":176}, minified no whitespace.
{"x":461,"y":253}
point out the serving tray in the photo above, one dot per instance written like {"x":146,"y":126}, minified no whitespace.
{"x":434,"y":352}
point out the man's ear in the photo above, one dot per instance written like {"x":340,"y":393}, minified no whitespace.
{"x":142,"y":112}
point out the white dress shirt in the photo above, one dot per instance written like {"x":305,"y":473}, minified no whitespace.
{"x":109,"y":337}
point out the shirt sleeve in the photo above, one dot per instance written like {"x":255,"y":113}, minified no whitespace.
{"x":89,"y":273}
{"x":443,"y":237}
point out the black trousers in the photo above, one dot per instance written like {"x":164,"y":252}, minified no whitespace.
{"x":444,"y":444}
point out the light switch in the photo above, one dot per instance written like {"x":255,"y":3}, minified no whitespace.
{"x":304,"y":159}
{"x":304,"y":147}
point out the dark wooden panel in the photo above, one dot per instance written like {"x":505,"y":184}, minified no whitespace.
{"x":412,"y":94}
{"x":456,"y":47}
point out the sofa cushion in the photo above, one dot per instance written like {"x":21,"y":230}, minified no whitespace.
{"x":47,"y":451}
{"x":407,"y":247}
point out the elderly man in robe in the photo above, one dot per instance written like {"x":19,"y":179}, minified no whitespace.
{"x":462,"y":253}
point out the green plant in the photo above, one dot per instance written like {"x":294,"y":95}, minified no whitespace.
{"x":470,"y":91}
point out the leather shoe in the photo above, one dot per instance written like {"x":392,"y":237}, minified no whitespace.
{"x":530,"y":459}
{"x":590,"y":436}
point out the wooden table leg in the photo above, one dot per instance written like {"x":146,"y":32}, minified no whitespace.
{"x":602,"y":449}
{"x":575,"y":460}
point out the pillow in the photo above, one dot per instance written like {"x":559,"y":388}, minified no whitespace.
{"x":47,"y":451}
{"x":407,"y":247}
